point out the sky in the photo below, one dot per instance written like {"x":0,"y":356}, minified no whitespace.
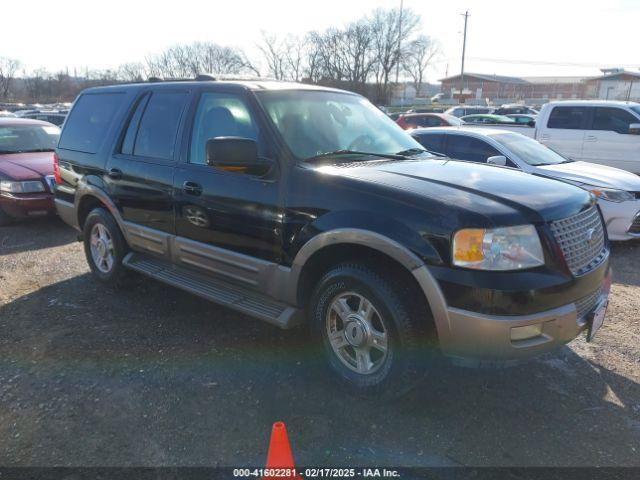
{"x":520,"y":38}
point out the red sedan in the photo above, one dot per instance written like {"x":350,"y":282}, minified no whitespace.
{"x":26,"y":168}
{"x":421,"y":120}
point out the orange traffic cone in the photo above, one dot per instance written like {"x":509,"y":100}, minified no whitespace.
{"x":279,"y":459}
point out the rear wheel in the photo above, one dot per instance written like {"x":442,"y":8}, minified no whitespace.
{"x":371,"y":333}
{"x":104,"y":246}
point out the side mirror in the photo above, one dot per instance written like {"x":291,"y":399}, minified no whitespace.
{"x":499,"y":160}
{"x":235,"y":154}
{"x":634,"y":129}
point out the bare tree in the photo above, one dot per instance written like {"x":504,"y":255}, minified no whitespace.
{"x":8,"y":69}
{"x":391,"y":29}
{"x":132,"y":72}
{"x":417,"y":56}
{"x":188,"y":61}
{"x":273,"y":51}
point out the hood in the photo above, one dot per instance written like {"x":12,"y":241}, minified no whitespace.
{"x":26,"y":166}
{"x":504,"y":196}
{"x":592,"y":174}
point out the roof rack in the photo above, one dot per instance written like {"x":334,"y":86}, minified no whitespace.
{"x":204,"y":77}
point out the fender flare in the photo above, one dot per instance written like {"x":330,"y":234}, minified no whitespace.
{"x":383,"y":244}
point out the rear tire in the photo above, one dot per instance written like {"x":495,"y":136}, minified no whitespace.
{"x":104,"y":247}
{"x":370,"y":331}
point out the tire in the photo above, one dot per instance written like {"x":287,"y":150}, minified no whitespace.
{"x":5,"y":218}
{"x":404,"y":326}
{"x":105,"y":260}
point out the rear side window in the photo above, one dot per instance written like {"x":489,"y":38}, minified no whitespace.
{"x":89,"y":121}
{"x":433,"y":142}
{"x":156,"y":137}
{"x":570,"y":118}
{"x":470,"y":149}
{"x":612,"y":119}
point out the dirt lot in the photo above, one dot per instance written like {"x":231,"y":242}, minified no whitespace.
{"x":154,"y":376}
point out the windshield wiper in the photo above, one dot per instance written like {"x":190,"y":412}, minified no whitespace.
{"x":337,"y":153}
{"x":415,"y":151}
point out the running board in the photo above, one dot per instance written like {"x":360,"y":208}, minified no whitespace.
{"x":232,"y":296}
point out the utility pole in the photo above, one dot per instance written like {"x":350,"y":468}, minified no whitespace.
{"x":464,"y":48}
{"x":399,"y":42}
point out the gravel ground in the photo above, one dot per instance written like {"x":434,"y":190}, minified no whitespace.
{"x":153,"y":376}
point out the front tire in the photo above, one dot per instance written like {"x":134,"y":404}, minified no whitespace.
{"x":369,"y":329}
{"x":104,"y":247}
{"x":5,"y":218}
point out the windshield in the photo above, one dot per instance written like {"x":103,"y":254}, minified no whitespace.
{"x":529,"y":150}
{"x":28,"y":138}
{"x":316,"y":122}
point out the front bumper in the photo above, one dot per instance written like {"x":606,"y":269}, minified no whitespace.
{"x":476,"y":329}
{"x":619,"y":217}
{"x":27,"y":205}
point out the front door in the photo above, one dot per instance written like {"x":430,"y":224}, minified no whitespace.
{"x":228,"y":222}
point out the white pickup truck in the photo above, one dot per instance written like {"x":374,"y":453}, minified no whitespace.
{"x":598,"y":131}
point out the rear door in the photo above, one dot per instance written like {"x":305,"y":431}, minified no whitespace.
{"x":608,"y":140}
{"x":139,"y":174}
{"x":565,"y":130}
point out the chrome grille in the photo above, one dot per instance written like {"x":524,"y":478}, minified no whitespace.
{"x":588,"y":303}
{"x":634,"y":229}
{"x":581,"y":238}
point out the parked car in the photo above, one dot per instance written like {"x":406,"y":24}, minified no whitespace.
{"x":277,"y":199}
{"x":6,"y":113}
{"x":488,"y":119}
{"x":513,"y":109}
{"x":461,"y":111}
{"x":597,"y":131}
{"x":618,"y":191}
{"x":26,"y":168}
{"x":524,"y":119}
{"x":417,"y":120}
{"x":54,"y":117}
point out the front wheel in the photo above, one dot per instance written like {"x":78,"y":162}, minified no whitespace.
{"x":104,"y":246}
{"x":369,"y":331}
{"x":5,"y":218}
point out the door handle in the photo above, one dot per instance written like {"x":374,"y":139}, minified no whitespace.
{"x":192,"y":188}
{"x":115,"y":173}
{"x":591,"y":138}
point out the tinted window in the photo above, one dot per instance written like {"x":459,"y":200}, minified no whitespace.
{"x":612,"y":119}
{"x":471,"y":149}
{"x":89,"y":121}
{"x":571,"y":118}
{"x":158,"y":128}
{"x":220,"y":115}
{"x":130,"y":137}
{"x":432,"y":142}
{"x":431,"y":122}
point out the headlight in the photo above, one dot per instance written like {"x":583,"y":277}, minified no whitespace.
{"x":21,"y":187}
{"x":508,"y":248}
{"x":610,"y":194}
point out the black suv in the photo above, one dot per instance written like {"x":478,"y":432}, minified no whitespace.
{"x":294,"y":203}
